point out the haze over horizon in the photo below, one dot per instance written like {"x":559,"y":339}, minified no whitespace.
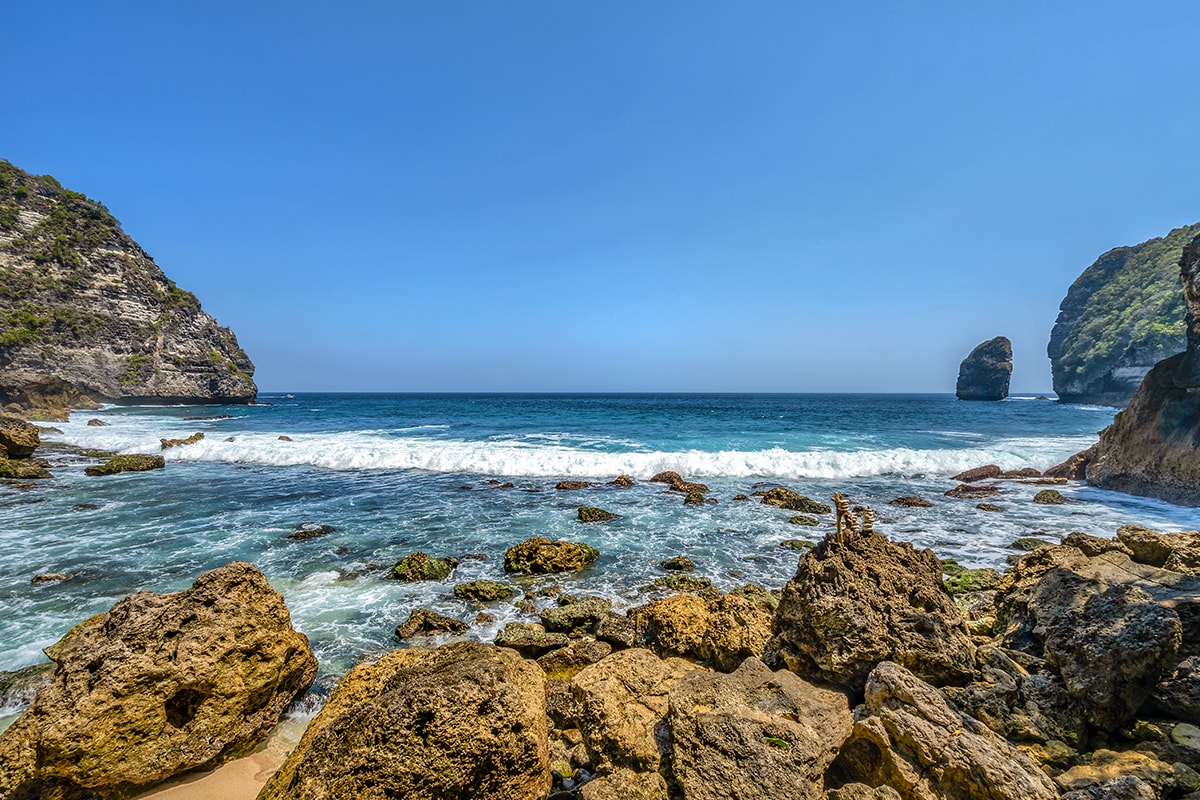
{"x":620,"y":197}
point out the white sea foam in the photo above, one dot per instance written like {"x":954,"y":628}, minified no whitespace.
{"x":360,"y":450}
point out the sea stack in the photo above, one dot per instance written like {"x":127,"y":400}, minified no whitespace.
{"x":86,"y":315}
{"x":984,"y":374}
{"x":1150,"y":449}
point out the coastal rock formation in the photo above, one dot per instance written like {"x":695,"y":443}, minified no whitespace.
{"x":18,"y":438}
{"x":135,"y":462}
{"x":913,"y":740}
{"x":984,"y":374}
{"x":160,"y":684}
{"x":464,"y":721}
{"x":862,"y":599}
{"x":86,"y":315}
{"x":1153,"y":446}
{"x":540,"y":556}
{"x":753,"y":733}
{"x":1123,"y":315}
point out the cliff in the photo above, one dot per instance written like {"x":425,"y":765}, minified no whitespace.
{"x":985,"y":373}
{"x":1120,"y":317}
{"x":86,"y":315}
{"x":1153,"y":446}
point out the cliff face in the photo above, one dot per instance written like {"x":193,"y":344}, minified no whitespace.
{"x":985,"y":373}
{"x":1153,"y":446}
{"x":1123,"y":315}
{"x":86,"y":314}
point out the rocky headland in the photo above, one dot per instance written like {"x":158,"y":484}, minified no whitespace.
{"x":1123,"y":315}
{"x":984,"y":374}
{"x":868,"y":675}
{"x":86,"y":315}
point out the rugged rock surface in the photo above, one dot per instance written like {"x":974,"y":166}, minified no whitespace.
{"x":86,"y":315}
{"x":1123,"y":315}
{"x":539,"y":556}
{"x":158,"y":685}
{"x":857,"y":602}
{"x":984,"y":374}
{"x":753,"y":734}
{"x":18,"y":438}
{"x":909,"y":737}
{"x":422,"y":567}
{"x":464,"y":721}
{"x":1153,"y":446}
{"x":136,"y":462}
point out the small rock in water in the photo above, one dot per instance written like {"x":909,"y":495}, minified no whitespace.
{"x":169,"y":443}
{"x":678,"y":564}
{"x":97,"y":423}
{"x":694,"y":499}
{"x":740,"y":497}
{"x":624,"y":481}
{"x":1186,"y":735}
{"x":571,"y":486}
{"x":285,"y":438}
{"x":311,"y":530}
{"x":1049,"y":497}
{"x":1029,"y":543}
{"x":978,"y":474}
{"x":48,"y":577}
{"x":136,"y":462}
{"x":797,"y":544}
{"x":483,"y":590}
{"x":988,"y":507}
{"x":911,"y":502}
{"x":801,"y":519}
{"x":968,"y":491}
{"x":590,"y":514}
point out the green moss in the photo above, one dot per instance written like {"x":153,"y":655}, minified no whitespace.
{"x":801,"y":519}
{"x":136,"y":462}
{"x":422,"y":567}
{"x":135,"y":371}
{"x":972,"y":580}
{"x":24,"y":324}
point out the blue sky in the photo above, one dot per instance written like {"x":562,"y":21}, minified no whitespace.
{"x":617,"y":196}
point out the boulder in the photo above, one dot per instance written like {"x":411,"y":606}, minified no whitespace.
{"x":671,"y":626}
{"x":622,"y":706}
{"x":984,"y":374}
{"x":169,"y":443}
{"x":695,"y":498}
{"x":571,"y":486}
{"x":423,"y":622}
{"x":793,"y":501}
{"x":909,"y":737}
{"x":580,"y":616}
{"x":422,"y":567}
{"x":1178,"y":552}
{"x":311,"y":530}
{"x":623,"y":481}
{"x":1049,"y":497}
{"x":539,"y":556}
{"x":861,"y":600}
{"x":18,"y":437}
{"x":738,"y":627}
{"x":911,"y":502}
{"x":860,"y":791}
{"x":158,"y":685}
{"x":678,"y":564}
{"x":979,"y":474}
{"x":753,"y":734}
{"x":463,"y":721}
{"x":1075,"y":467}
{"x":136,"y":462}
{"x":590,"y":514}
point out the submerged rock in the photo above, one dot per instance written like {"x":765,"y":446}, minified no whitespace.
{"x":968,"y":491}
{"x":460,"y":722}
{"x":979,"y":474}
{"x":862,"y":600}
{"x":422,"y":567}
{"x":571,"y":486}
{"x":483,"y":590}
{"x":590,"y":514}
{"x":678,"y":564}
{"x":158,"y":685}
{"x":169,"y":443}
{"x":128,"y":463}
{"x":984,"y":374}
{"x":911,"y":502}
{"x":793,"y":501}
{"x":311,"y":530}
{"x":1049,"y":497}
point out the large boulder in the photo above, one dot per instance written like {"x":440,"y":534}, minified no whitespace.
{"x":158,"y":685}
{"x":539,"y":556}
{"x":860,"y":600}
{"x":909,"y":737}
{"x":753,"y":734}
{"x":18,"y":437}
{"x":463,"y":721}
{"x":721,"y":631}
{"x":984,"y":374}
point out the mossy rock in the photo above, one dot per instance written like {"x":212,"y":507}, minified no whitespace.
{"x":422,"y":567}
{"x":540,"y":556}
{"x":311,"y":530}
{"x":571,"y":486}
{"x":972,"y":580}
{"x":911,"y":502}
{"x":23,"y":469}
{"x":136,"y":462}
{"x":681,"y":582}
{"x":624,"y":481}
{"x":740,"y":498}
{"x":678,"y":564}
{"x":695,"y":498}
{"x":169,"y":443}
{"x":483,"y":590}
{"x":1049,"y":497}
{"x":798,"y":544}
{"x":1029,"y":544}
{"x":590,"y":514}
{"x":793,"y":501}
{"x":423,"y":622}
{"x":582,"y":615}
{"x":529,"y":640}
{"x":802,"y":519}
{"x":988,"y":507}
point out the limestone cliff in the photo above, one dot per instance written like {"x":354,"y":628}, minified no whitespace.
{"x":86,"y":314}
{"x":1153,"y":446}
{"x":1120,"y":317}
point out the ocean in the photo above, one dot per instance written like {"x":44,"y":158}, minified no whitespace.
{"x":394,"y":474}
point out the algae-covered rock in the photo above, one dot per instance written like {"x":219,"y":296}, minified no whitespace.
{"x":1049,"y":497}
{"x":793,"y":501}
{"x":911,"y":502}
{"x":571,"y":486}
{"x":678,"y":564}
{"x":802,"y":519}
{"x":580,"y":616}
{"x":311,"y":530}
{"x":158,"y":685}
{"x":137,"y":462}
{"x":590,"y":514}
{"x":483,"y":590}
{"x":539,"y":556}
{"x":460,"y":722}
{"x":972,"y":580}
{"x":968,"y":491}
{"x":422,"y":567}
{"x":23,"y":470}
{"x":423,"y":622}
{"x":979,"y":474}
{"x":694,"y":499}
{"x":680,"y":582}
{"x":623,"y":481}
{"x":167,"y":444}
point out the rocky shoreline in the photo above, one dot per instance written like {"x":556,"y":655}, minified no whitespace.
{"x":877,"y":671}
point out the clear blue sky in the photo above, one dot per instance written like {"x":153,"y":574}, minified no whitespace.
{"x":617,"y":196}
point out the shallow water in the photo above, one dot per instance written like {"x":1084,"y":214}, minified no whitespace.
{"x":388,"y":470}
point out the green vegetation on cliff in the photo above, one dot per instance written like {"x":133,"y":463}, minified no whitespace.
{"x":1120,"y":317}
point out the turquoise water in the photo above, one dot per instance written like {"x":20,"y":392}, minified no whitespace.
{"x":388,"y":472}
